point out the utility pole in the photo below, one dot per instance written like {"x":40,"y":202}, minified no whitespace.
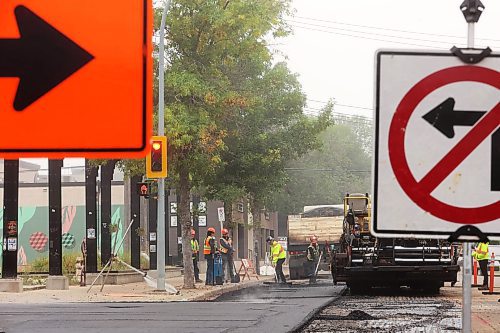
{"x":161,"y":131}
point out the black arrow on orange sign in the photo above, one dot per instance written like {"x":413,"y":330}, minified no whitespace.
{"x":42,"y":58}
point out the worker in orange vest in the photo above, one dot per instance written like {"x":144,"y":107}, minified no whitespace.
{"x":209,"y":249}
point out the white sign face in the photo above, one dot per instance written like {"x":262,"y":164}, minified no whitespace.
{"x":437,"y":145}
{"x":173,"y":221}
{"x":202,"y":221}
{"x":91,"y":233}
{"x":220,"y":212}
{"x":11,"y":244}
{"x":152,"y":236}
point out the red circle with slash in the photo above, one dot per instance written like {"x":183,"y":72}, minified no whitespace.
{"x":420,"y":191}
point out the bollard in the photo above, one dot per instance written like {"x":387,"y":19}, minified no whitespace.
{"x":475,"y":272}
{"x":492,"y":272}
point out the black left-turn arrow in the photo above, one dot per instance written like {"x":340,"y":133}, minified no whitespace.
{"x":42,"y":58}
{"x":444,"y":118}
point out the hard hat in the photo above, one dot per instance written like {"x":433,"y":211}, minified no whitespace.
{"x":211,"y":229}
{"x":193,"y":232}
{"x":225,"y":232}
{"x":269,"y":239}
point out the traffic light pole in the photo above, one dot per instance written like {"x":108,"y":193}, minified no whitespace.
{"x":161,"y":131}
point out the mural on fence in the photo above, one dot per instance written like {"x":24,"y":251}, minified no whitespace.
{"x":33,"y":230}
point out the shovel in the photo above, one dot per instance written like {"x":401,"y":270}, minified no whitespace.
{"x":317,"y":265}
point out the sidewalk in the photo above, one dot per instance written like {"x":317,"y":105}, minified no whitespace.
{"x":485,"y":308}
{"x":131,"y":292}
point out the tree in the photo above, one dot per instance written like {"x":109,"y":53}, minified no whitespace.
{"x":214,"y":47}
{"x":263,"y":138}
{"x":323,"y":176}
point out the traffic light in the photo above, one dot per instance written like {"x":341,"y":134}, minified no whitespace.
{"x":143,"y":189}
{"x":156,"y":160}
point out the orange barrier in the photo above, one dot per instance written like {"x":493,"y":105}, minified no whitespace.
{"x":475,"y":272}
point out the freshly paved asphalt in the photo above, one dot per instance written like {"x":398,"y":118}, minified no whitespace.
{"x":263,"y":309}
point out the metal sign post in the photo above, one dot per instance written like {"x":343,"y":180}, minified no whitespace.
{"x":161,"y":131}
{"x":472,"y":10}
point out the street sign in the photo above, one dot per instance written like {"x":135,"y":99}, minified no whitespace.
{"x":437,"y":144}
{"x":75,"y":78}
{"x":221,"y":214}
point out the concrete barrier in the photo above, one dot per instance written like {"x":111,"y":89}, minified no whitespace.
{"x":11,"y":285}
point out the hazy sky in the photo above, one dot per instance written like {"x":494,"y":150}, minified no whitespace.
{"x":334,"y":41}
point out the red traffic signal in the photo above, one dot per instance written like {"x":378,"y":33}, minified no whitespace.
{"x":156,"y":160}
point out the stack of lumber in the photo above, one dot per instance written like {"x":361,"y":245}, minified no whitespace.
{"x":300,"y":229}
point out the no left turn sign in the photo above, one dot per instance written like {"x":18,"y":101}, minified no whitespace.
{"x":437,"y":155}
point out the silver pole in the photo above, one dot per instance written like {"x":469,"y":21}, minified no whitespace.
{"x":467,"y":271}
{"x":160,"y":264}
{"x":466,"y":289}
{"x":470,"y":35}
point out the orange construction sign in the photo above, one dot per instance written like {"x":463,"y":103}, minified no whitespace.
{"x":75,"y":78}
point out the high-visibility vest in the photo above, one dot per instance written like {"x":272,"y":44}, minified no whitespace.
{"x":207,"y":249}
{"x":277,"y":252}
{"x":482,"y":247}
{"x":195,"y":247}
{"x":222,"y":249}
{"x":312,"y":254}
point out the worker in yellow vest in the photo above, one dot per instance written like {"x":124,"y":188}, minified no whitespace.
{"x":482,"y":256}
{"x":209,"y":249}
{"x":195,"y":247}
{"x":278,"y":256}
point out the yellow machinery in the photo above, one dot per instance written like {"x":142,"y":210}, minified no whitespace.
{"x":364,"y":261}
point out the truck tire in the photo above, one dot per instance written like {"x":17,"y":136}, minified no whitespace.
{"x":358,"y":289}
{"x":432,"y":289}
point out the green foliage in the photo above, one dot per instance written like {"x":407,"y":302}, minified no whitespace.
{"x":40,"y":265}
{"x":323,"y":176}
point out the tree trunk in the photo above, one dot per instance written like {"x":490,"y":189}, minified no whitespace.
{"x":228,"y":212}
{"x":256,"y":234}
{"x":185,"y":220}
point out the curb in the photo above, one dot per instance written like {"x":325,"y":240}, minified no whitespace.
{"x":313,"y":313}
{"x":31,"y":288}
{"x":213,"y":294}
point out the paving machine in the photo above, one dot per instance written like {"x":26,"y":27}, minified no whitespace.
{"x":364,"y":261}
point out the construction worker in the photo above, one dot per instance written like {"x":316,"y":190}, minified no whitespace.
{"x":227,"y":250}
{"x":278,"y":256}
{"x":312,"y":258}
{"x":482,"y":256}
{"x":195,"y":247}
{"x":209,"y":248}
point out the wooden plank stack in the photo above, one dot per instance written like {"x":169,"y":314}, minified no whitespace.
{"x":300,"y":229}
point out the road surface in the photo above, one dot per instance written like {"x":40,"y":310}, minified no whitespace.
{"x":263,"y":309}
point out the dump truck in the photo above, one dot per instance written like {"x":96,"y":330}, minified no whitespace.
{"x":364,"y":261}
{"x":324,"y":222}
